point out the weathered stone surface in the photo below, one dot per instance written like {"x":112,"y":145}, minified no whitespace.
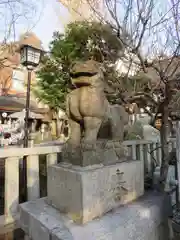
{"x":87,"y":193}
{"x":88,"y":108}
{"x":100,"y":152}
{"x":140,"y":220}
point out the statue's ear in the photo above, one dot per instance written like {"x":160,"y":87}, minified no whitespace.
{"x":107,"y":88}
{"x":101,"y":66}
{"x":72,"y":66}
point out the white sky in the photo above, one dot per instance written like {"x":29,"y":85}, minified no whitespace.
{"x":51,"y":20}
{"x":49,"y":17}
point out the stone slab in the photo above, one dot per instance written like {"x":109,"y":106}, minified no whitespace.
{"x":144,"y":219}
{"x":85,"y":193}
{"x":101,"y":152}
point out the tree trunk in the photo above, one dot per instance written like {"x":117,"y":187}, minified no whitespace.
{"x":178,"y":158}
{"x":164,"y":141}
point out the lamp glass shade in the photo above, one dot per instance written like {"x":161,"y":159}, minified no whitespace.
{"x":30,"y":56}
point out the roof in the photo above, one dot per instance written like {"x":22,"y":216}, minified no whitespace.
{"x":10,"y":51}
{"x":168,"y":65}
{"x":29,"y":38}
{"x":14,"y":103}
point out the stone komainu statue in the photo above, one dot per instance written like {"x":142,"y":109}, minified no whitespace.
{"x":89,"y":112}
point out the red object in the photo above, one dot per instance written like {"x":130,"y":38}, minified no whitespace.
{"x":7,"y":135}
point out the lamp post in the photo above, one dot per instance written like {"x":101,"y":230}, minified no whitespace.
{"x":30,"y":58}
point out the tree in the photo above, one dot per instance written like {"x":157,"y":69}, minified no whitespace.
{"x":52,"y":85}
{"x":13,"y":13}
{"x":81,"y":41}
{"x":153,"y":42}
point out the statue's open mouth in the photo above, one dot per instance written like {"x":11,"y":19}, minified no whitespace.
{"x":82,"y":74}
{"x":81,"y":84}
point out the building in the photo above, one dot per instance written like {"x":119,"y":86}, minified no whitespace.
{"x":82,"y":9}
{"x":127,"y":64}
{"x":13,"y":77}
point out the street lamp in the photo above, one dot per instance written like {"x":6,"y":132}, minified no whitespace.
{"x":30,"y":58}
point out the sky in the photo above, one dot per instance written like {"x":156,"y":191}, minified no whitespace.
{"x":50,"y":20}
{"x":48,"y":17}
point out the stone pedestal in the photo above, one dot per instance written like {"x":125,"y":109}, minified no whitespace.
{"x":144,"y":219}
{"x":93,"y":202}
{"x":85,"y":193}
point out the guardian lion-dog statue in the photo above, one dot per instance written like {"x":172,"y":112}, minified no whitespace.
{"x":88,"y":109}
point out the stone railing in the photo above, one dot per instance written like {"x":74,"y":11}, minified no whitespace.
{"x":146,"y":151}
{"x":12,"y":158}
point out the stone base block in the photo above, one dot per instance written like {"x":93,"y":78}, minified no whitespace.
{"x":100,"y":152}
{"x":143,"y":220}
{"x":85,"y":193}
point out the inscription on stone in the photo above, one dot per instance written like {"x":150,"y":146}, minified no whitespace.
{"x":120,"y":189}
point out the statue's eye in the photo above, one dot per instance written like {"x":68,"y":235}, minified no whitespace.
{"x":72,"y":75}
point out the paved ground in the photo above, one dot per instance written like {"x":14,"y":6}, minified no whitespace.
{"x":20,"y":236}
{"x":177,"y":237}
{"x":16,"y":235}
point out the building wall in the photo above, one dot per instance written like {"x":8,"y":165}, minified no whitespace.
{"x":13,"y":79}
{"x":13,"y":76}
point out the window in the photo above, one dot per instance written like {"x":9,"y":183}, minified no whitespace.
{"x":18,"y":81}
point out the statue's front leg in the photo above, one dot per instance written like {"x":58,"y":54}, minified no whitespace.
{"x":75,"y":133}
{"x":91,"y":128}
